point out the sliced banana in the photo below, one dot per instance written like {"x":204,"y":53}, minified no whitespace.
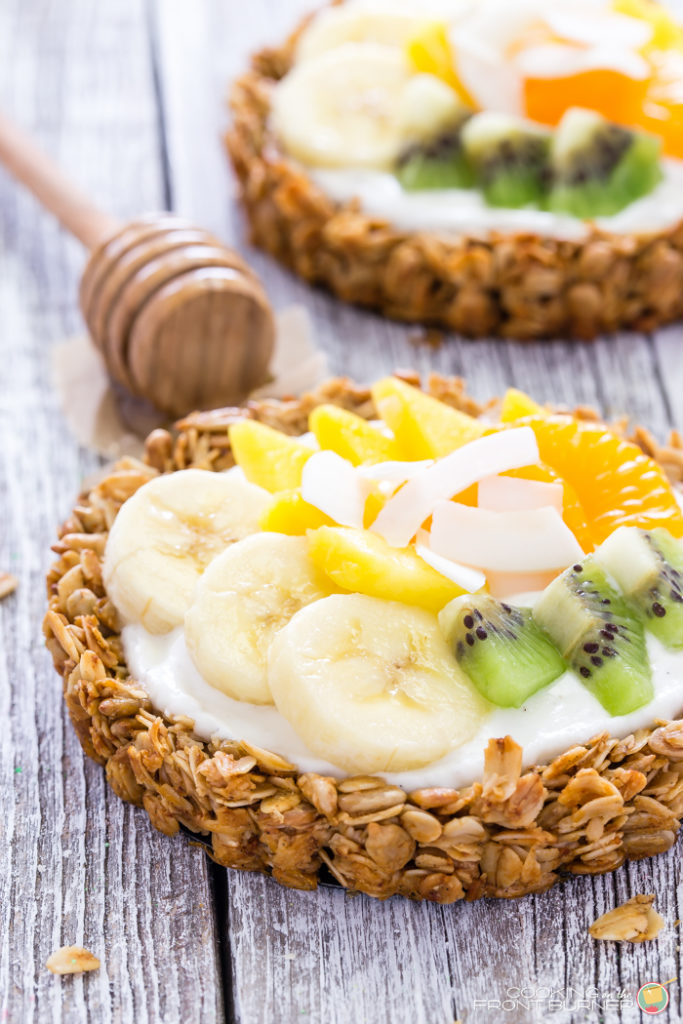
{"x":354,"y":106}
{"x":371,"y":685}
{"x":166,"y":534}
{"x":247,"y":594}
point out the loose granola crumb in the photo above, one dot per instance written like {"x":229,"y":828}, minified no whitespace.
{"x":72,"y":960}
{"x":633,"y":921}
{"x":8,"y":584}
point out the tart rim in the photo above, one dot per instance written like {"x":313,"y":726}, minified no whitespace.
{"x":508,"y":835}
{"x":520,"y":286}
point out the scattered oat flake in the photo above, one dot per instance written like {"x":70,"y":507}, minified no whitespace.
{"x":633,"y":921}
{"x":8,"y":584}
{"x":72,"y":960}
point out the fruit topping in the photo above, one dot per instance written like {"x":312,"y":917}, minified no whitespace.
{"x":598,"y":168}
{"x":515,"y":494}
{"x":359,"y":105}
{"x":500,"y":648}
{"x":360,"y":561}
{"x":351,"y":436}
{"x":516,"y":405}
{"x":331,"y":484}
{"x":246,"y":595}
{"x":439,"y":163}
{"x":616,"y":484}
{"x":166,"y":534}
{"x":406,"y":511}
{"x":289,"y":513}
{"x":371,"y":685}
{"x":648,"y":567}
{"x":424,"y":427}
{"x":268,"y":457}
{"x":533,"y":540}
{"x":510,"y":157}
{"x":600,"y":636}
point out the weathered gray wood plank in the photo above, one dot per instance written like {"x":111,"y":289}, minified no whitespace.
{"x":76,"y":864}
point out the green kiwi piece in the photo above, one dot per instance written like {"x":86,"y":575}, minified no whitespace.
{"x":511,"y":158}
{"x":440,"y":163}
{"x":599,"y":634}
{"x":598,"y":168}
{"x":647,"y":565}
{"x":502,"y":650}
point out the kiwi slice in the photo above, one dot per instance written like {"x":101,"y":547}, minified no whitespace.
{"x":439,"y":163}
{"x":511,"y":158}
{"x":648,"y":566}
{"x":599,"y":634}
{"x":500,"y":648}
{"x":598,"y":168}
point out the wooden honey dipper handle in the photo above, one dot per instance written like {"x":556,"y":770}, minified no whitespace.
{"x":29,"y":165}
{"x":179,"y":318}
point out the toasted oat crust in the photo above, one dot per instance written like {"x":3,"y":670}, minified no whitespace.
{"x":516,"y":286}
{"x":511,"y":833}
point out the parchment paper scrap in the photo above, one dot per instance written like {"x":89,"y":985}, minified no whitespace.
{"x":103,"y":417}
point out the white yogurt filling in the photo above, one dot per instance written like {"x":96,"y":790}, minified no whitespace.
{"x":464,"y":211}
{"x":556,"y":718}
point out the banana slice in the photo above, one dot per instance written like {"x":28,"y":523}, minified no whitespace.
{"x":354,"y":106}
{"x":371,"y":685}
{"x":167,"y":533}
{"x":247,"y":594}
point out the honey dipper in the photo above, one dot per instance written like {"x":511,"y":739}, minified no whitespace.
{"x":179,"y":318}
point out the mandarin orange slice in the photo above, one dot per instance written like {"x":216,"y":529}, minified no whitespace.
{"x":615,"y":483}
{"x":607,"y":91}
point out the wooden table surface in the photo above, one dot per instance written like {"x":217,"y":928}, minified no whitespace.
{"x":129,"y":97}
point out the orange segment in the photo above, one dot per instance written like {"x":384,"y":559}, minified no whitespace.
{"x":615,"y":483}
{"x":605,"y":90}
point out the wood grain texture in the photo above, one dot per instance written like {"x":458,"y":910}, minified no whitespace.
{"x":76,"y":864}
{"x":325,"y":957}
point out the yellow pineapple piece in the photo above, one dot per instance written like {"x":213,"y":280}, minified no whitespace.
{"x":289,"y":513}
{"x":350,"y":436}
{"x":430,"y":51}
{"x":374,"y":503}
{"x":364,"y":563}
{"x":516,"y":405}
{"x":268,"y":457}
{"x":424,"y":428}
{"x":666,"y":31}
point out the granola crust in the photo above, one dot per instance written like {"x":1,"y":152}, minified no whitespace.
{"x":514,"y":832}
{"x":518,"y":286}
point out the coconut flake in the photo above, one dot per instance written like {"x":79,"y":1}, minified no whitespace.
{"x":511,"y":494}
{"x":331,"y":484}
{"x":404,"y":514}
{"x":469,"y":579}
{"x":394,"y":472}
{"x":536,"y":540}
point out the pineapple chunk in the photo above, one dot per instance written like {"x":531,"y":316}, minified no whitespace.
{"x":350,"y":436}
{"x":430,"y":51}
{"x":424,"y":428}
{"x":516,"y":405}
{"x":365,"y":564}
{"x":268,"y":457}
{"x":289,"y":513}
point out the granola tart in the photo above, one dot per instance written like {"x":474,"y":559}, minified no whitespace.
{"x":514,"y":828}
{"x":356,"y":212}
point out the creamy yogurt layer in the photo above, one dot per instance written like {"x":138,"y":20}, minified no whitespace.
{"x":550,"y":722}
{"x":464,"y":211}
